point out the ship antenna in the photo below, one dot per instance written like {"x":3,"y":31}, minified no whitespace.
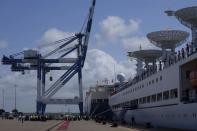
{"x":140,"y":47}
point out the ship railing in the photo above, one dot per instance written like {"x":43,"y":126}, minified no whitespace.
{"x":186,"y":52}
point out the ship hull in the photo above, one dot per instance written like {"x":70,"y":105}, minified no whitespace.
{"x":174,"y":116}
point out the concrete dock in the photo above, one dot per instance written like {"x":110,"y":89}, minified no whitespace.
{"x":93,"y":126}
{"x":53,"y":125}
{"x":15,"y":125}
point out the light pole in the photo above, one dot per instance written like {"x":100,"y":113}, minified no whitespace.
{"x":114,"y":72}
{"x":3,"y":99}
{"x":15,"y":96}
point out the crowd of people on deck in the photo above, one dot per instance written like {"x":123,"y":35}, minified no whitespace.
{"x":168,"y":60}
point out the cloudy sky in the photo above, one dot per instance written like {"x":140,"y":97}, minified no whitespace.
{"x":119,"y":26}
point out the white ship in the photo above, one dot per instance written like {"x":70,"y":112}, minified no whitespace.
{"x":96,"y":101}
{"x":164,"y":91}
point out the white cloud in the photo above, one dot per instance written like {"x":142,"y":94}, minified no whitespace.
{"x":98,"y":66}
{"x":114,"y":28}
{"x":134,"y":43}
{"x":3,"y":44}
{"x":54,"y":34}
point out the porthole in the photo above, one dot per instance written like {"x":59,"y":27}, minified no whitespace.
{"x":160,"y":78}
{"x":156,"y":79}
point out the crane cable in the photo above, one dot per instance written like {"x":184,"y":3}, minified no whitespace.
{"x":56,"y":42}
{"x":83,"y":26}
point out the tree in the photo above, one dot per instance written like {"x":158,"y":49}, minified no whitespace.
{"x":2,"y":111}
{"x":15,"y":111}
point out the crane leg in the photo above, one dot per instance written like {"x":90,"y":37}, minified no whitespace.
{"x":40,"y":108}
{"x":81,"y":108}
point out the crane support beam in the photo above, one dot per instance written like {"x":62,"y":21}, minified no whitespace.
{"x":61,"y":101}
{"x":60,"y":60}
{"x":66,"y":79}
{"x":20,"y":68}
{"x":9,"y":61}
{"x":60,"y":79}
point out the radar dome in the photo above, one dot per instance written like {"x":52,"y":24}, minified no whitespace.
{"x":121,"y":77}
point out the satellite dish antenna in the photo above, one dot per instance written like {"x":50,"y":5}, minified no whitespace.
{"x":170,"y":12}
{"x":121,"y":77}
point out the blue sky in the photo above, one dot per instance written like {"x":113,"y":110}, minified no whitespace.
{"x":119,"y":26}
{"x":23,"y":22}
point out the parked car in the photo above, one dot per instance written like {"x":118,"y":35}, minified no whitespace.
{"x":11,"y":117}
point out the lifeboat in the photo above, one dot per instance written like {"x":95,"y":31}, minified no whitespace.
{"x":193,"y":78}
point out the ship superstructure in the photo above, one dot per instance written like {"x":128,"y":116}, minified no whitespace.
{"x":164,"y":91}
{"x":97,"y":102}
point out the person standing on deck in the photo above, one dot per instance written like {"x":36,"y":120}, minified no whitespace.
{"x":132,"y":121}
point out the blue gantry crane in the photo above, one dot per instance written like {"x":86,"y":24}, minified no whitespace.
{"x":34,"y":60}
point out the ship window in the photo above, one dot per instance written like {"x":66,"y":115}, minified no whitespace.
{"x":187,"y":74}
{"x":173,"y":93}
{"x":160,"y":78}
{"x":144,"y":99}
{"x":156,"y":79}
{"x":127,"y":104}
{"x":106,"y":100}
{"x":94,"y":101}
{"x":166,"y":95}
{"x":131,"y":102}
{"x":148,"y":99}
{"x":136,"y":101}
{"x":159,"y":96}
{"x":143,"y":86}
{"x":140,"y":100}
{"x":153,"y":98}
{"x":194,"y":115}
{"x":184,"y":115}
{"x":149,"y":82}
{"x":153,"y":81}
